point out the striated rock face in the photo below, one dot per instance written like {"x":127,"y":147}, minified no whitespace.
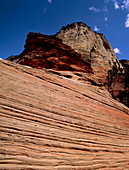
{"x":118,"y":83}
{"x":59,"y":120}
{"x":43,"y":51}
{"x":97,"y":50}
{"x":92,"y":46}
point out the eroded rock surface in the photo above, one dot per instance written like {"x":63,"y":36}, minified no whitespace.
{"x":97,"y":50}
{"x":92,"y":46}
{"x":43,"y":51}
{"x":118,"y":83}
{"x":59,"y":120}
{"x":77,"y":48}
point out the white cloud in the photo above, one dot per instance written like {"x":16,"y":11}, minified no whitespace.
{"x":116,"y":5}
{"x":119,"y":4}
{"x":104,"y":9}
{"x":117,"y":51}
{"x":127,"y":21}
{"x":105,"y":19}
{"x":122,"y":5}
{"x":96,"y":28}
{"x":50,"y":1}
{"x":125,"y":5}
{"x":1,"y":59}
{"x":94,"y":9}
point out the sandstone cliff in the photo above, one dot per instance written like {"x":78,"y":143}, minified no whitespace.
{"x":59,"y":120}
{"x":118,"y":83}
{"x":97,"y":50}
{"x":92,"y":46}
{"x":77,"y":48}
{"x":43,"y":51}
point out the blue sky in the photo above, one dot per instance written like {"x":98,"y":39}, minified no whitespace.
{"x":19,"y":17}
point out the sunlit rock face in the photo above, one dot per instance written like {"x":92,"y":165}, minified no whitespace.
{"x":59,"y":120}
{"x":97,"y":50}
{"x":92,"y":46}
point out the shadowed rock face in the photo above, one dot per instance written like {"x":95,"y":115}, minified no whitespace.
{"x":42,"y":51}
{"x":58,"y":120}
{"x":118,"y":83}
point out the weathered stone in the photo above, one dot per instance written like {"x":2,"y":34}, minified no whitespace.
{"x":43,"y":51}
{"x":97,"y":50}
{"x":82,"y":50}
{"x":92,"y":46}
{"x":57,"y":120}
{"x":118,"y":83}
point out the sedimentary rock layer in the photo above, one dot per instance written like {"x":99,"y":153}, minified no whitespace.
{"x":58,"y":120}
{"x":93,"y":46}
{"x":118,"y":83}
{"x":77,"y":48}
{"x":43,"y":51}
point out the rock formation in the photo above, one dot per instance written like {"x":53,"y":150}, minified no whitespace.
{"x":97,"y":50}
{"x":77,"y":48}
{"x":92,"y":46}
{"x":59,"y":120}
{"x":118,"y":83}
{"x":43,"y":51}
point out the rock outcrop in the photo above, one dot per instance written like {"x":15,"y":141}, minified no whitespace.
{"x":118,"y":83}
{"x":97,"y":50}
{"x":77,"y":48}
{"x":13,"y":58}
{"x":43,"y":51}
{"x":92,"y":46}
{"x":59,"y":120}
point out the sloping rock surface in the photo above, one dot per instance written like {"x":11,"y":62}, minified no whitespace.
{"x":58,"y":120}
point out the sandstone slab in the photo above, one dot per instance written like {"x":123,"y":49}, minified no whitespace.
{"x":54,"y":120}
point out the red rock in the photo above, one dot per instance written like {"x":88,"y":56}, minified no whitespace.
{"x":118,"y":83}
{"x":42,"y":51}
{"x":82,"y":50}
{"x":57,"y":120}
